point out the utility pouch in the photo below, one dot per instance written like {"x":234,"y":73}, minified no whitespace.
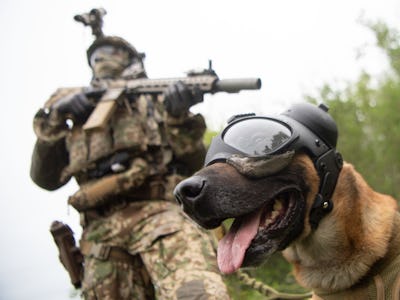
{"x":69,"y":254}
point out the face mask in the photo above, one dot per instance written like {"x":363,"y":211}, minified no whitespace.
{"x":109,"y":61}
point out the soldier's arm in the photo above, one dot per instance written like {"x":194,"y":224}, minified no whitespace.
{"x":184,"y":130}
{"x":185,"y":136}
{"x":49,"y":155}
{"x":48,"y":161}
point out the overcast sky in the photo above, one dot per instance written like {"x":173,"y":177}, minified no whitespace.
{"x":293,"y":46}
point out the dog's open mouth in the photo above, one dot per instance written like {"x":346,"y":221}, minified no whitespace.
{"x":259,"y":233}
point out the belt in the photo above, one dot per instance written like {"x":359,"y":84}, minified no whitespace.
{"x":104,"y":252}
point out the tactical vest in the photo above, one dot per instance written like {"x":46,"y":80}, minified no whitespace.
{"x":132,"y":128}
{"x":139,"y":128}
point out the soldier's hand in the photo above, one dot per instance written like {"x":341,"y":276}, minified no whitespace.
{"x":178,"y":98}
{"x":78,"y":108}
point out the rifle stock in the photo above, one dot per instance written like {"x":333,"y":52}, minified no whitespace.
{"x":206,"y":82}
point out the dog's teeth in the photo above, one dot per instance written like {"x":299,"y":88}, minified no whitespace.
{"x":274,"y":214}
{"x":277,"y":205}
{"x":267,"y":222}
{"x":271,"y":218}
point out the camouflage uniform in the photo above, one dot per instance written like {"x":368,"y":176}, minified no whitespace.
{"x":136,"y":242}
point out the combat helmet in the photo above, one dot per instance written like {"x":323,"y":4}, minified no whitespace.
{"x":316,"y":119}
{"x":115,"y":41}
{"x":94,"y":19}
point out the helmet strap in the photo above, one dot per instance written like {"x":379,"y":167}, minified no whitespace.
{"x":320,"y":208}
{"x":329,"y":166}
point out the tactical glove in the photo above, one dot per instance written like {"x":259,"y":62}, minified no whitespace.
{"x":77,"y":107}
{"x":178,"y":98}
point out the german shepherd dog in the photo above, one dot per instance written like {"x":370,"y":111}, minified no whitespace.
{"x":353,"y":252}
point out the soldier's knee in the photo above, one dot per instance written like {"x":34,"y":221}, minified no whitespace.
{"x":202,"y":290}
{"x":194,"y":289}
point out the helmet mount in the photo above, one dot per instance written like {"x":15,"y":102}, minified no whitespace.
{"x":94,"y":19}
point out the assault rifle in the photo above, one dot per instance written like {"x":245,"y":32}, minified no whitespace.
{"x":206,"y":81}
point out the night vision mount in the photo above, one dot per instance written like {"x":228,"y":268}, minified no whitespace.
{"x":94,"y":19}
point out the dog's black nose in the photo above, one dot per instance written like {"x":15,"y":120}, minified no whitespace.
{"x":187,"y":191}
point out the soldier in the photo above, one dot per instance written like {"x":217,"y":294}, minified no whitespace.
{"x":136,"y":242}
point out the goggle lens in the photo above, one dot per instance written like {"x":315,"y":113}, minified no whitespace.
{"x":257,"y":136}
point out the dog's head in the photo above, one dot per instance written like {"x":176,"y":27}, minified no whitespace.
{"x":273,"y":176}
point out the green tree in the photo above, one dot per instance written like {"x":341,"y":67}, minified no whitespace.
{"x":367,"y":114}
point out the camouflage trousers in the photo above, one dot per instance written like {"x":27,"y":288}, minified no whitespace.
{"x":171,"y":257}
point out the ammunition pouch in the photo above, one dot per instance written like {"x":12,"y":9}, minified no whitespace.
{"x":70,"y":256}
{"x":152,"y":189}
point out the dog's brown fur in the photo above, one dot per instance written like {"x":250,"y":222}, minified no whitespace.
{"x":360,"y":233}
{"x":350,"y":239}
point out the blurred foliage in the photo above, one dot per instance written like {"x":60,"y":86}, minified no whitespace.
{"x":368,"y":119}
{"x":208,"y":137}
{"x":367,"y":113}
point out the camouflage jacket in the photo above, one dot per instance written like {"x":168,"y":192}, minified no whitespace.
{"x":157,"y":144}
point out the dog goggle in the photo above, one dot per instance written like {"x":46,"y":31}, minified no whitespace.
{"x":263,"y":137}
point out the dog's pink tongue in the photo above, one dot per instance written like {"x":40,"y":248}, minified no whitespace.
{"x":232,"y":247}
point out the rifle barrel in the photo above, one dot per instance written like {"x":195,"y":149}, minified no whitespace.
{"x":235,"y":85}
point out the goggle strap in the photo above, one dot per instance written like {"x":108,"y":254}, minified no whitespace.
{"x":332,"y":161}
{"x":320,"y":208}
